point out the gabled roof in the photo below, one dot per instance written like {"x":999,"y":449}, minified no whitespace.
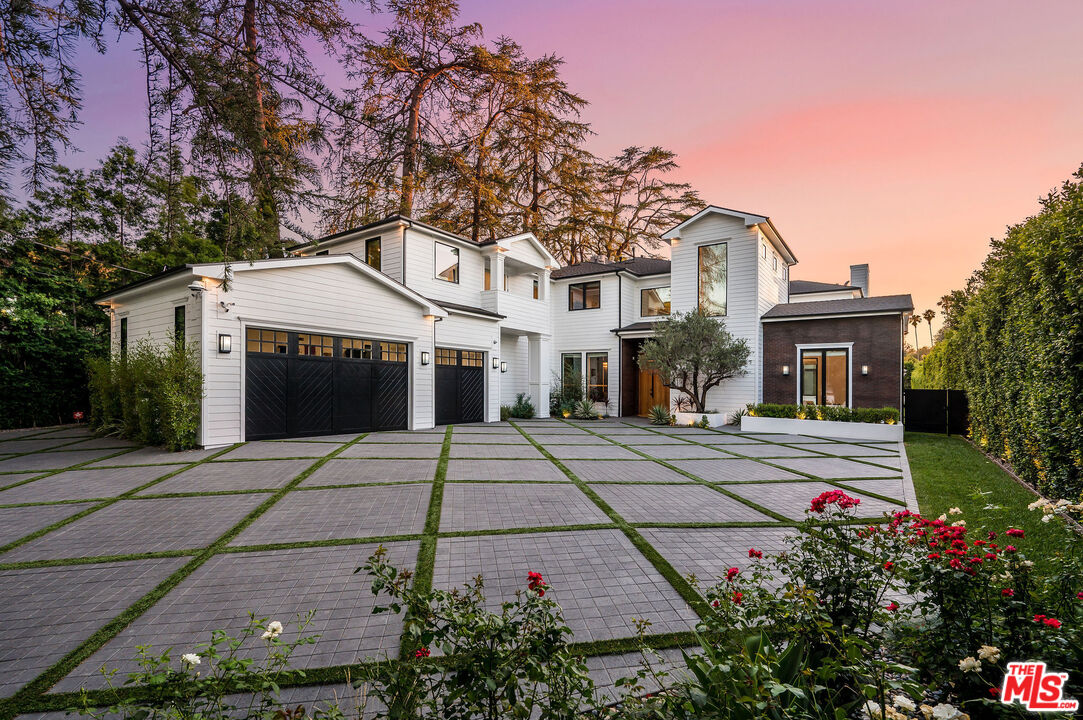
{"x":389,"y":220}
{"x":849,"y":306}
{"x":750,"y":219}
{"x":469,"y":310}
{"x":807,"y":287}
{"x":640,"y":267}
{"x":507,"y":242}
{"x":218,"y":271}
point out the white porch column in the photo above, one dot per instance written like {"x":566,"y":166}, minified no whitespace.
{"x":496,"y":271}
{"x":540,"y":351}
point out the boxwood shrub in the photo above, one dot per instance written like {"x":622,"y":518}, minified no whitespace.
{"x":837,"y":413}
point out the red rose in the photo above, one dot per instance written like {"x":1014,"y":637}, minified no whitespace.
{"x":422,"y":653}
{"x":956,"y":563}
{"x":833,"y":497}
{"x":536,"y":583}
{"x":754,"y":553}
{"x":995,"y":692}
{"x":732,"y":573}
{"x":889,"y":566}
{"x":714,"y":604}
{"x":1009,"y":548}
{"x":934,"y":556}
{"x":892,"y":606}
{"x":1007,"y":592}
{"x":1014,"y":532}
{"x":737,"y":597}
{"x":992,"y":536}
{"x":1052,"y":622}
{"x":1079,"y":595}
{"x":1039,"y":618}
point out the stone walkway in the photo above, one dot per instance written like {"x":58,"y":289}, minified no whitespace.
{"x":105,"y":546}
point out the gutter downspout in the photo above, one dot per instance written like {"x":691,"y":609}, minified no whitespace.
{"x":620,"y":346}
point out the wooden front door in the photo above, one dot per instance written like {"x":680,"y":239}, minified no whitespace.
{"x":651,"y":391}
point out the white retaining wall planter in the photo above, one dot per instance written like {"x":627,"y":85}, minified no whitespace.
{"x":823,"y":428}
{"x":691,"y":418}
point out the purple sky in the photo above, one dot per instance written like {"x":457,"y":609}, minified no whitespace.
{"x":902,"y":134}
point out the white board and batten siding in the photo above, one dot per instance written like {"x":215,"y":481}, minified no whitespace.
{"x":589,"y":331}
{"x":773,"y":281}
{"x":742,"y":295}
{"x":333,"y":299}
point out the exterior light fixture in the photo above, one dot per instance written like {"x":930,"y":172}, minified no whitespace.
{"x":785,"y":369}
{"x":225,"y":344}
{"x":864,"y":369}
{"x":424,"y":357}
{"x":196,"y":288}
{"x":496,"y":363}
{"x":503,"y":367}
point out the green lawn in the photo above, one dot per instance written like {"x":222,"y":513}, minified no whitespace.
{"x":949,"y":472}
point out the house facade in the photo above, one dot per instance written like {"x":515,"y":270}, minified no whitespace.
{"x":401,"y":325}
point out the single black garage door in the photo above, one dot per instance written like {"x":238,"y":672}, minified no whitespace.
{"x":460,"y":386}
{"x":300,"y":384}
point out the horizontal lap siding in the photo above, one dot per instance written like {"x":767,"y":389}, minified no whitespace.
{"x":390,"y":250}
{"x":583,"y":331}
{"x":773,"y":289}
{"x":421,"y":270}
{"x":742,"y":319}
{"x":333,"y":299}
{"x":150,"y":316}
{"x":634,"y":311}
{"x":515,"y":351}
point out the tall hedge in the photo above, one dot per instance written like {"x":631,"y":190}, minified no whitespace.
{"x":1017,"y":347}
{"x":152,"y":396}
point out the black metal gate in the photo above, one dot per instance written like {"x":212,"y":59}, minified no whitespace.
{"x":304,"y":384}
{"x":460,"y":386}
{"x":936,"y":411}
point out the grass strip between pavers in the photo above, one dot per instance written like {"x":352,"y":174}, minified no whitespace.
{"x":667,"y":571}
{"x":12,"y":706}
{"x":41,"y":474}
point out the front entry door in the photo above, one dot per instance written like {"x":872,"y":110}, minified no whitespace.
{"x":651,"y":392}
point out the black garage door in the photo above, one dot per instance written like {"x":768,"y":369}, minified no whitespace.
{"x":460,"y":386}
{"x":299,"y":384}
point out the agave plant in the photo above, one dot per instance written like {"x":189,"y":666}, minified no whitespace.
{"x":659,"y":415}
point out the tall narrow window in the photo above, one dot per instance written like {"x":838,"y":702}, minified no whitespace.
{"x":488,"y":274}
{"x":713,"y":272}
{"x":447,"y":263}
{"x":178,"y":325}
{"x":585,"y":296}
{"x":535,"y":286}
{"x":598,"y":377}
{"x":571,"y":370}
{"x":654,"y":302}
{"x":372,"y":252}
{"x":123,"y":338}
{"x":825,"y":377}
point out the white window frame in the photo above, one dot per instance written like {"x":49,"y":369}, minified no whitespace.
{"x":848,"y":346}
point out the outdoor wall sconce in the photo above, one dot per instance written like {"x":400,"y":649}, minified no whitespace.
{"x":496,"y":363}
{"x":785,"y":369}
{"x":864,"y":369}
{"x":196,"y":288}
{"x":424,"y":357}
{"x":225,"y":344}
{"x":503,"y":367}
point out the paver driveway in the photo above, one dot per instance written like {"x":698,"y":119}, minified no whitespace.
{"x":197,"y":540}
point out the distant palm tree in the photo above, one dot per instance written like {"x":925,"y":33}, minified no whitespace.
{"x":929,"y":315}
{"x":915,"y":320}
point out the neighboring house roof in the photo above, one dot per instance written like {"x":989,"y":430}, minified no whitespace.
{"x":218,"y":271}
{"x":849,"y":306}
{"x":750,"y":219}
{"x":807,"y":287}
{"x":455,"y":307}
{"x":640,"y":267}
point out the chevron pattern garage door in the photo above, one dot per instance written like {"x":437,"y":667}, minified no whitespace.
{"x":460,"y":386}
{"x":302,"y":384}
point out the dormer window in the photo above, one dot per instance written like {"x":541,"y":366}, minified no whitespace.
{"x":447,"y":263}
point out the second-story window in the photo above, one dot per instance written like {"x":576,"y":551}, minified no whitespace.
{"x":585,"y":296}
{"x":447,"y":263}
{"x":123,"y":338}
{"x":488,"y":274}
{"x":535,"y":285}
{"x":713,"y":276}
{"x":178,"y":326}
{"x":372,"y":252}
{"x":654,"y":301}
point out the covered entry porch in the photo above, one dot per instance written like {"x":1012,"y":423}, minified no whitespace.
{"x":640,"y":388}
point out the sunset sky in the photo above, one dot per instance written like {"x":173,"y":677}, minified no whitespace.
{"x":902,"y":134}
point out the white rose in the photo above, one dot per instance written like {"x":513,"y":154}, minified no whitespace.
{"x":904,"y":703}
{"x":874,"y":710}
{"x":191,"y":659}
{"x":943,"y":711}
{"x":274,"y":629}
{"x":955,"y":511}
{"x":989,"y":652}
{"x":969,"y":664}
{"x":959,"y":523}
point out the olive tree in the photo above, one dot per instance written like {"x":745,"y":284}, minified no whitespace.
{"x":693,"y":353}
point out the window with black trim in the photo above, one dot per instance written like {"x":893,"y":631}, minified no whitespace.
{"x":446,"y":356}
{"x":178,"y":325}
{"x":356,"y":349}
{"x":323,"y":252}
{"x":585,"y":296}
{"x":825,"y":376}
{"x":123,"y":338}
{"x":535,"y":287}
{"x":266,"y":341}
{"x":372,"y":252}
{"x":315,"y":345}
{"x":654,"y":302}
{"x":472,"y":358}
{"x":713,"y":277}
{"x":447,"y":262}
{"x":393,"y":352}
{"x":571,"y":371}
{"x":598,"y":377}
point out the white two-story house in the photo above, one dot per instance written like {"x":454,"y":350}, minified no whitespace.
{"x":401,"y":325}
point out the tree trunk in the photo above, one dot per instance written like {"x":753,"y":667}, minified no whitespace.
{"x":262,"y":182}
{"x":412,"y":148}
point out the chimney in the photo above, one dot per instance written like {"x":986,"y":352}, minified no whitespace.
{"x":859,"y":278}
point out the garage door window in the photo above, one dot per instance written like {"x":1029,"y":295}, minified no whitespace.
{"x":472,"y":359}
{"x":444,"y":356}
{"x":267,"y":341}
{"x":393,"y":352}
{"x":315,"y":345}
{"x":356,"y":349}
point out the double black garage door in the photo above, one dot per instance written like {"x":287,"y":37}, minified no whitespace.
{"x":299,"y":384}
